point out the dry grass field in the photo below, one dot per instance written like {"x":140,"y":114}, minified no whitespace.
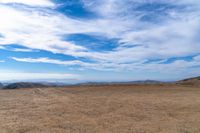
{"x":101,"y":109}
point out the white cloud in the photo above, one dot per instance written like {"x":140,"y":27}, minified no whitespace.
{"x":197,"y":58}
{"x":157,"y":66}
{"x":1,"y":47}
{"x":22,"y":50}
{"x":96,"y":66}
{"x":17,"y":49}
{"x":47,"y":60}
{"x":43,"y":3}
{"x":175,"y":36}
{"x":35,"y":76}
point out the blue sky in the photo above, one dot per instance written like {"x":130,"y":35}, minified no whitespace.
{"x":99,"y":40}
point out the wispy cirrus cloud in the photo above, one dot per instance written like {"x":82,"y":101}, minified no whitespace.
{"x":47,"y":60}
{"x":9,"y":76}
{"x":22,"y":50}
{"x":177,"y":65}
{"x":155,"y":39}
{"x":43,"y":3}
{"x":145,"y":30}
{"x":1,"y":47}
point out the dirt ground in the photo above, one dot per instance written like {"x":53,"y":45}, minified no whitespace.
{"x":101,"y":109}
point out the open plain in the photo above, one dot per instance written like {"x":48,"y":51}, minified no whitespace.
{"x":101,"y":109}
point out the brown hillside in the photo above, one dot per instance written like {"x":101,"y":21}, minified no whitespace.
{"x":190,"y":81}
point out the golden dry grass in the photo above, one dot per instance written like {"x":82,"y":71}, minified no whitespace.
{"x":101,"y":109}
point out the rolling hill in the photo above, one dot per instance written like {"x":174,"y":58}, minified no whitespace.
{"x":190,"y":81}
{"x":24,"y":85}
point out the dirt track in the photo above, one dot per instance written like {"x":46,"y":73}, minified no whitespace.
{"x":101,"y":109}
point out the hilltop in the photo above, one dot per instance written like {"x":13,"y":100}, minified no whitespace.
{"x":190,"y":81}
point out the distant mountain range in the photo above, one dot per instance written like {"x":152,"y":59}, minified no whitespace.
{"x":1,"y":85}
{"x":130,"y":82}
{"x":24,"y":85}
{"x":190,"y":81}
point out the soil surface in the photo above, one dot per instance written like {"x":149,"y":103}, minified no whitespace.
{"x":101,"y":109}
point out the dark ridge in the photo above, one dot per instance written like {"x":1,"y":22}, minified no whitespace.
{"x":24,"y":85}
{"x":130,"y":82}
{"x":1,"y":85}
{"x":147,"y":82}
{"x":190,"y":81}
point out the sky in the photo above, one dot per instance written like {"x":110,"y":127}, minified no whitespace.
{"x":99,"y":40}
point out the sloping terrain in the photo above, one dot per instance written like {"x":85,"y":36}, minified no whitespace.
{"x":101,"y":109}
{"x":190,"y":81}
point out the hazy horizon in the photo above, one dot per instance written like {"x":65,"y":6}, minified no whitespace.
{"x":99,"y":40}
